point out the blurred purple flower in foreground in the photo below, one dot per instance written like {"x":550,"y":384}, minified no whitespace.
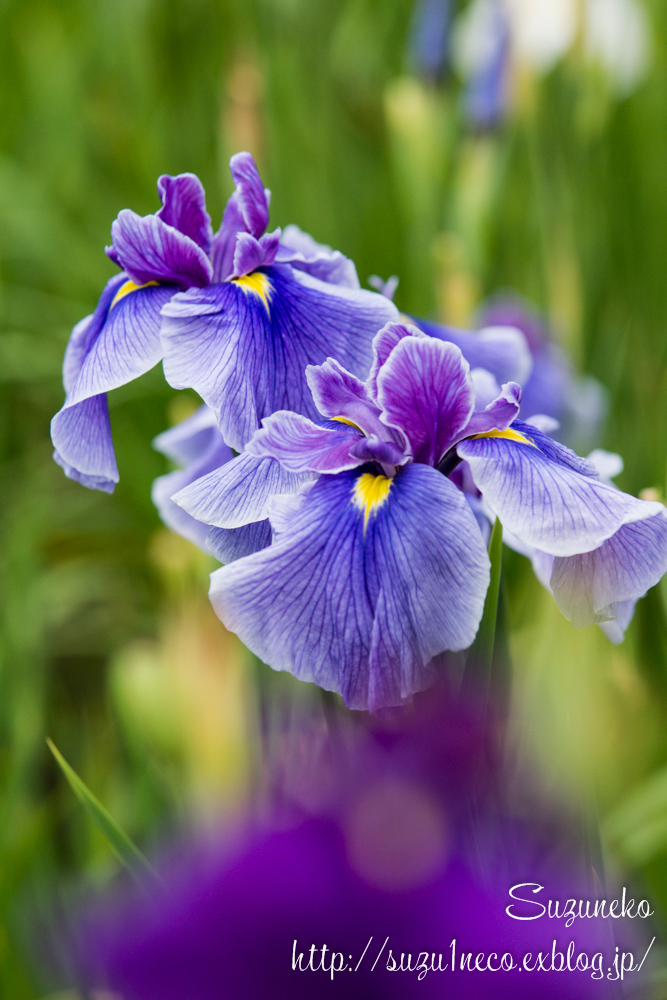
{"x":406,"y":852}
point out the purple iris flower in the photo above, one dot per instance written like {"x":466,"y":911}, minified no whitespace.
{"x":236,"y":316}
{"x":379,"y":564}
{"x":244,"y":341}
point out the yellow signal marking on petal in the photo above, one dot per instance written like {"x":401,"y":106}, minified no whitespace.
{"x":344,"y":420}
{"x":369,"y":493}
{"x":507,"y":435}
{"x":257,"y":283}
{"x":127,"y":288}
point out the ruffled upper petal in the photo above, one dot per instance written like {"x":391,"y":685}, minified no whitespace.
{"x":244,"y":345}
{"x":302,"y":446}
{"x":150,"y":250}
{"x":367,"y":579}
{"x":184,"y":208}
{"x":238,"y":493}
{"x":544,"y":494}
{"x":594,"y":586}
{"x":503,"y":351}
{"x":383,"y":344}
{"x":425,"y":389}
{"x":247,"y":211}
{"x":250,"y":253}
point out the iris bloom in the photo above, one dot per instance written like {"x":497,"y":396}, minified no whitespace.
{"x":379,"y":564}
{"x":236,"y":316}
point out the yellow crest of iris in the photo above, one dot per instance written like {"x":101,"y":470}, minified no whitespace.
{"x":256,"y":283}
{"x":127,"y":288}
{"x":370,"y":493}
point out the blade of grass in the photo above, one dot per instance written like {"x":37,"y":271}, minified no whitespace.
{"x":125,"y":850}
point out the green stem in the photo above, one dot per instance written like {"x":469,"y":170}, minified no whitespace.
{"x":479,"y":662}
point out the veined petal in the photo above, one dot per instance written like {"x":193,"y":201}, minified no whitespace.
{"x":244,"y":345}
{"x":592,"y":586}
{"x":302,"y":446}
{"x":198,"y":444}
{"x":250,"y":253}
{"x":247,"y":211}
{"x":150,"y":250}
{"x":229,"y":544}
{"x":184,"y":208}
{"x":238,"y":493}
{"x":87,"y":330}
{"x":367,"y":579}
{"x":499,"y":414}
{"x":301,"y":251}
{"x":544,"y":494}
{"x":502,"y":350}
{"x":424,"y":389}
{"x":383,"y":344}
{"x":189,"y":440}
{"x":81,"y":435}
{"x":127,"y":343}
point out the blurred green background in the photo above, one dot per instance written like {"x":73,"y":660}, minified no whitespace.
{"x":107,"y":643}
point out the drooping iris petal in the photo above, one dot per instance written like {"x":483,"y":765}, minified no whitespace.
{"x":425,"y":389}
{"x":119,"y":342}
{"x":503,"y":351}
{"x":196,"y":443}
{"x":81,"y":435}
{"x":238,"y":493}
{"x":616,"y":628}
{"x":184,"y":208}
{"x":301,"y":251}
{"x":499,"y":414}
{"x":302,"y":446}
{"x":590,"y":587}
{"x":367,"y":579}
{"x":229,"y":544}
{"x":150,"y":250}
{"x":127,"y":344}
{"x":244,"y":345}
{"x":544,"y":494}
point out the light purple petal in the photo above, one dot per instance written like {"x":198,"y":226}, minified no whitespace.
{"x":184,"y":208}
{"x":590,"y":587}
{"x":87,"y":330}
{"x":214,"y":454}
{"x":238,"y":492}
{"x":302,"y":446}
{"x":150,"y":250}
{"x":250,"y":253}
{"x":360,"y":600}
{"x":302,"y":252}
{"x":425,"y":389}
{"x":189,"y":440}
{"x":386,"y":288}
{"x":229,"y":544}
{"x":244,"y":345}
{"x":126,"y":346}
{"x":546,"y":495}
{"x":616,"y":628}
{"x":503,"y":351}
{"x":499,"y":414}
{"x":372,"y":449}
{"x":81,"y":435}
